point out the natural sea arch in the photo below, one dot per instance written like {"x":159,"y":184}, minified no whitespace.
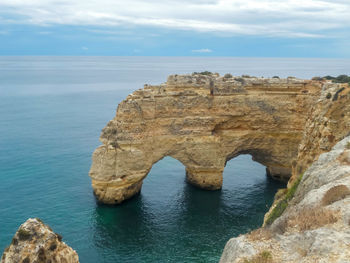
{"x":192,"y":223}
{"x":202,"y":121}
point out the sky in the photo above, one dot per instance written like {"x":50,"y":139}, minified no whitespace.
{"x":240,"y":28}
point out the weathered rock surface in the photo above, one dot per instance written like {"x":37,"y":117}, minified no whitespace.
{"x":315,"y":227}
{"x":328,"y":122}
{"x":35,"y":242}
{"x":202,"y":121}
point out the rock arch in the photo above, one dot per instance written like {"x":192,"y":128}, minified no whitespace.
{"x":202,"y":121}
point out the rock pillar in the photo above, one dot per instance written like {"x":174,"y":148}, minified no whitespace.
{"x":205,"y":178}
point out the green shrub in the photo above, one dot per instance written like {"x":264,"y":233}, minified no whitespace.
{"x":291,"y":191}
{"x":329,"y":95}
{"x":329,"y":77}
{"x":208,"y":73}
{"x":275,"y":77}
{"x":283,"y":203}
{"x":227,"y":76}
{"x":340,"y":79}
{"x":348,"y":146}
{"x":277,"y":211}
{"x":240,"y":80}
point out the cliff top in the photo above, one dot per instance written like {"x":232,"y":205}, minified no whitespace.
{"x":207,"y":77}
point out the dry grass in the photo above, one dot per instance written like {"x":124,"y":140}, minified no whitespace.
{"x":260,"y":234}
{"x":302,"y":252}
{"x":334,"y":194}
{"x":344,"y":158}
{"x":312,"y":218}
{"x":263,"y":257}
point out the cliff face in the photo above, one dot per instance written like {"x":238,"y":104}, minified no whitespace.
{"x":202,"y":121}
{"x":328,"y":122}
{"x":313,"y":223}
{"x":36,"y":242}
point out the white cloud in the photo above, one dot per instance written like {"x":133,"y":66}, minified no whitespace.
{"x":287,"y":18}
{"x":203,"y":50}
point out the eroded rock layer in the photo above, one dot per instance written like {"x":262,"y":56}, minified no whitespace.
{"x":36,"y":242}
{"x":202,"y":121}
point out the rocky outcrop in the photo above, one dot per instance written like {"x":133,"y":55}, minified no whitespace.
{"x":35,"y":242}
{"x":315,"y":227}
{"x":203,"y":121}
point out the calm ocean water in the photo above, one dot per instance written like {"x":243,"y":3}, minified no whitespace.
{"x":52,"y":110}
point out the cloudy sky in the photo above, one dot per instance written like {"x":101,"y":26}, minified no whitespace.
{"x":264,"y":28}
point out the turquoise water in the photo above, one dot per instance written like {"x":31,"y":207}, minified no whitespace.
{"x":52,"y":110}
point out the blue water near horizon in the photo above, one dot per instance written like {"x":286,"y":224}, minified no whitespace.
{"x":52,"y":110}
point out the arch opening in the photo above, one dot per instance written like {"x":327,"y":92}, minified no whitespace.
{"x":165,"y":179}
{"x":273,"y":167}
{"x":247,"y":181}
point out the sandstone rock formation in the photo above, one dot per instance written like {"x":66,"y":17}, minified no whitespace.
{"x":35,"y":242}
{"x":315,"y":227}
{"x":203,"y":121}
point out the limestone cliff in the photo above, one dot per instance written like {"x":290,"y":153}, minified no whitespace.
{"x":315,"y":226}
{"x":328,"y":122}
{"x":202,"y":121}
{"x":36,"y":242}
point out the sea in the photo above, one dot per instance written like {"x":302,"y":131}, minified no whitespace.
{"x":52,"y":110}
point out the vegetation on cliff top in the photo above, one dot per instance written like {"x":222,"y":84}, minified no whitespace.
{"x":339,"y":79}
{"x":208,"y":73}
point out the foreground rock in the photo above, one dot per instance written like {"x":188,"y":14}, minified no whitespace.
{"x":315,"y":227}
{"x":203,"y":121}
{"x":35,"y":242}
